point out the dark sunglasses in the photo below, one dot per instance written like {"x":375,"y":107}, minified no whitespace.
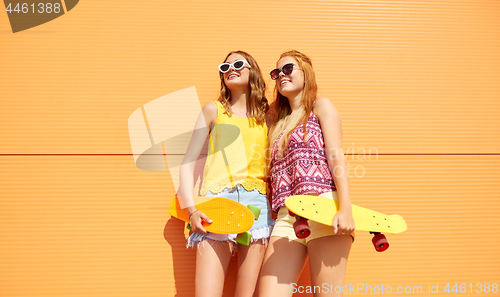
{"x":237,"y":65}
{"x":286,"y":69}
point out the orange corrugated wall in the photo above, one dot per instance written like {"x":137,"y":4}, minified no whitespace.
{"x":416,"y":84}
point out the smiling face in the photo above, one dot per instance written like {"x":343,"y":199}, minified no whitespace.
{"x":236,"y":78}
{"x":292,"y":83}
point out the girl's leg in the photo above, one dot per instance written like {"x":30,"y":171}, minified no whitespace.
{"x":250,"y":257}
{"x":283,"y":263}
{"x":249,"y":261}
{"x":212,"y":260}
{"x":328,"y":261}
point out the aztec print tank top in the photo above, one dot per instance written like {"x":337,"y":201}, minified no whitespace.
{"x":301,"y":170}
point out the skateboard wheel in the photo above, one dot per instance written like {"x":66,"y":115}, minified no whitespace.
{"x":291,"y":213}
{"x":301,"y":228}
{"x":255,"y":210}
{"x":244,"y":238}
{"x":380,"y":242}
{"x":188,"y":226}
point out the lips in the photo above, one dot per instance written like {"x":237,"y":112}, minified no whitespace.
{"x":232,"y":75}
{"x":284,"y":81}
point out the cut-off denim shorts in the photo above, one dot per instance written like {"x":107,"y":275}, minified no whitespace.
{"x":262,"y":227}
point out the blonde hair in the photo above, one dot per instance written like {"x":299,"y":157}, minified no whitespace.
{"x":257,"y":105}
{"x":282,"y":122}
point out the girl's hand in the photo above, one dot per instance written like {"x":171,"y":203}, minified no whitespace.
{"x":196,"y":219}
{"x":343,"y":222}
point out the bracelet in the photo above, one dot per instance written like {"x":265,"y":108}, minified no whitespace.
{"x":192,"y":214}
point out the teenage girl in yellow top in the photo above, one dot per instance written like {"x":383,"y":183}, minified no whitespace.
{"x":235,"y":169}
{"x":306,"y":159}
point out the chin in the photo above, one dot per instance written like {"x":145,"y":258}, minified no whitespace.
{"x":236,"y":83}
{"x":285,"y":91}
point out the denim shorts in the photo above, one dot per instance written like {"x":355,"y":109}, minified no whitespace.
{"x":262,"y":227}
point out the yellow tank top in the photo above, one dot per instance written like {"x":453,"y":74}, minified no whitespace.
{"x":236,"y":154}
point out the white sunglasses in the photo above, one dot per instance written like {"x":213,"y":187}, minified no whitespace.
{"x":237,"y":65}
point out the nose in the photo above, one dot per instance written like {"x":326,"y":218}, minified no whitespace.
{"x":231,"y":68}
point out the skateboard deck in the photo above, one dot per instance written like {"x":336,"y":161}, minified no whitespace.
{"x":228,"y":216}
{"x":322,"y":210}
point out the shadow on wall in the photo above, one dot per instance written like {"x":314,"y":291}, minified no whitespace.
{"x":159,"y":137}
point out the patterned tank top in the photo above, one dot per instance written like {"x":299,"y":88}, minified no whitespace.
{"x":302,"y":169}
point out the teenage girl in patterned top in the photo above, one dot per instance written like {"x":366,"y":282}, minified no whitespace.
{"x":234,"y":169}
{"x":310,"y":162}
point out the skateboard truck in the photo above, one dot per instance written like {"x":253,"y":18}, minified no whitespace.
{"x":245,"y":238}
{"x":301,"y":226}
{"x":379,"y":241}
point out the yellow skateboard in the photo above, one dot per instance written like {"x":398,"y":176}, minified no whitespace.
{"x":228,"y":216}
{"x":322,"y":210}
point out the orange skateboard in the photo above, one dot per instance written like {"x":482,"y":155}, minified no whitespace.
{"x":228,"y":216}
{"x":322,"y":210}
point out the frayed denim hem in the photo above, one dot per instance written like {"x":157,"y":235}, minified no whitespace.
{"x":262,"y":233}
{"x":195,"y":239}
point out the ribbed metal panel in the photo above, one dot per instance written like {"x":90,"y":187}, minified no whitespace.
{"x":80,"y":226}
{"x":407,"y":77}
{"x":416,"y":84}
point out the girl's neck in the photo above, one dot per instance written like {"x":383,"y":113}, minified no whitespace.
{"x":239,"y":99}
{"x":295,"y":101}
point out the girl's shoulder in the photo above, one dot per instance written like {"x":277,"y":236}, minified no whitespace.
{"x":324,"y":108}
{"x":210,"y":111}
{"x":211,"y":106}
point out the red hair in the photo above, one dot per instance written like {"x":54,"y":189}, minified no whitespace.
{"x":282,"y":106}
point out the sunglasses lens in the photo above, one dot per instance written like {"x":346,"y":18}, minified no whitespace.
{"x":287,"y":69}
{"x":238,"y":65}
{"x":275,"y":74}
{"x":224,"y":67}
